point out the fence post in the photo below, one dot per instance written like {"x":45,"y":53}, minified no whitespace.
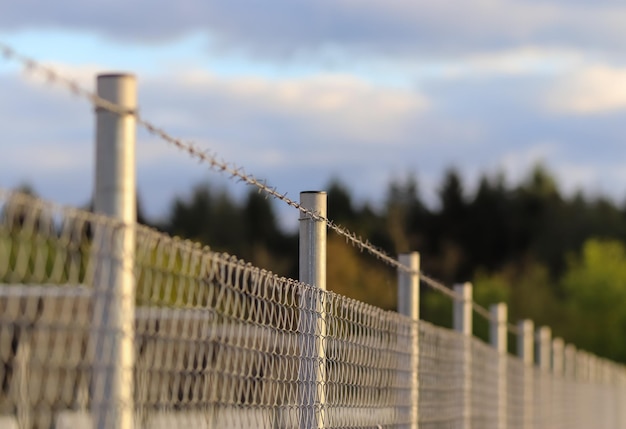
{"x":114,"y":283}
{"x":463,"y":324}
{"x":525,"y":351}
{"x":312,"y":370}
{"x":585,"y":396}
{"x":498,"y":336}
{"x":569,"y":379}
{"x":409,"y":305}
{"x":544,"y":348}
{"x":569,"y":368}
{"x":543,"y":339}
{"x":592,"y":370}
{"x":558,"y":357}
{"x":558,"y":408}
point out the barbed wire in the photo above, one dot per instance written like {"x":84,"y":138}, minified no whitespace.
{"x":232,"y":170}
{"x":512,"y":328}
{"x":481,"y":310}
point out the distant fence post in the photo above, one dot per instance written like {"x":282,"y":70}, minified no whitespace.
{"x":558,"y":409}
{"x":409,"y":305}
{"x":525,"y":351}
{"x":543,"y":338}
{"x":114,"y":248}
{"x":544,"y":348}
{"x":620,"y":397}
{"x":463,"y":324}
{"x":312,"y":328}
{"x":498,"y":336}
{"x":569,"y":377}
{"x":558,"y":356}
{"x":569,"y":364}
{"x":586,"y":396}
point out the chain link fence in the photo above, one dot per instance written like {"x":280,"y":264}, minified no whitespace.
{"x":218,"y":343}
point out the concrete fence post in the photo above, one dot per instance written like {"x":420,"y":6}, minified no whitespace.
{"x":312,"y":327}
{"x":409,"y":305}
{"x":114,"y":248}
{"x":463,"y":323}
{"x":498,"y":337}
{"x":525,"y":351}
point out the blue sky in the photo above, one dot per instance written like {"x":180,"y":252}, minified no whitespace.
{"x":298,"y":92}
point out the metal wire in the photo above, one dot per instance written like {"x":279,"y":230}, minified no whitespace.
{"x":482,"y":311}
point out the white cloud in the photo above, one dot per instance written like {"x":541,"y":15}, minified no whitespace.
{"x":524,"y":60}
{"x":340,"y":107}
{"x":593,"y":89}
{"x":530,"y":60}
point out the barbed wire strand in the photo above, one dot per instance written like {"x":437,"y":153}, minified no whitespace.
{"x":232,"y":170}
{"x":481,"y":310}
{"x":512,"y":328}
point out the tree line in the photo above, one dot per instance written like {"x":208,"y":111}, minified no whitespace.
{"x":557,"y":259}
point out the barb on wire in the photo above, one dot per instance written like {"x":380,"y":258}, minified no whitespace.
{"x":232,"y":170}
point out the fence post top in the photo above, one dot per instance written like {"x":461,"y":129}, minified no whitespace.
{"x":499,"y":306}
{"x":499,"y":311}
{"x":544,"y":333}
{"x":116,"y":75}
{"x":526,"y":326}
{"x":464,"y":289}
{"x":313,"y":192}
{"x":314,"y":201}
{"x":118,"y":88}
{"x":411,"y":259}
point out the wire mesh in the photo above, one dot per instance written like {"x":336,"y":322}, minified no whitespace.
{"x":439,"y":375}
{"x":484,"y":391}
{"x":519,"y":396}
{"x":218,"y":343}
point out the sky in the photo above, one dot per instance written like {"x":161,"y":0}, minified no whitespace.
{"x":298,"y":92}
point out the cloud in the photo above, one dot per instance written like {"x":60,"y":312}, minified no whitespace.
{"x":287,"y":29}
{"x":591,"y":90}
{"x":318,"y":111}
{"x":525,"y":60}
